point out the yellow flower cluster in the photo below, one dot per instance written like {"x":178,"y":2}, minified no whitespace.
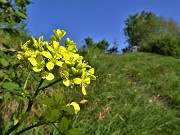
{"x":44,"y":56}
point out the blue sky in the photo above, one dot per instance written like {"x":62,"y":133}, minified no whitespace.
{"x":98,"y":19}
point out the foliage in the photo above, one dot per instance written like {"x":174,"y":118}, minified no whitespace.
{"x":102,"y":45}
{"x":12,"y":13}
{"x":163,"y":44}
{"x":141,"y":29}
{"x":45,"y":61}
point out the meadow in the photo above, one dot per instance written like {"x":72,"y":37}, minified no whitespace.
{"x":134,"y":94}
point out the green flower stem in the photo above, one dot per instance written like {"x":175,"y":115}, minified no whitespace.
{"x":56,"y":127}
{"x":25,"y":115}
{"x":50,"y":84}
{"x":25,"y":84}
{"x":28,"y":128}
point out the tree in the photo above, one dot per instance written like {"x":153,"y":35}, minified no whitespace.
{"x":88,"y":42}
{"x":12,"y":25}
{"x":114,"y":48}
{"x":142,"y":29}
{"x":12,"y":13}
{"x":102,"y":45}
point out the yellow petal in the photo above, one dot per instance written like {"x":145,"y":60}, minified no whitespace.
{"x":20,"y":56}
{"x":55,"y":44}
{"x":76,"y":56}
{"x":59,"y":63}
{"x":47,"y":76}
{"x":66,"y":82}
{"x":87,"y":80}
{"x":40,"y":39}
{"x":67,"y":41}
{"x":76,"y":107}
{"x":83,"y":90}
{"x":59,"y":33}
{"x":33,"y":61}
{"x":77,"y":80}
{"x":50,"y":48}
{"x":36,"y":69}
{"x":50,"y":65}
{"x":91,"y":71}
{"x":47,"y":54}
{"x":62,"y":49}
{"x":50,"y":76}
{"x":35,"y":42}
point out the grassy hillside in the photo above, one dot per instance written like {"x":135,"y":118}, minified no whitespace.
{"x":136,"y":94}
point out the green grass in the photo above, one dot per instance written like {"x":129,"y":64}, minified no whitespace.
{"x":138,"y":91}
{"x":141,"y":91}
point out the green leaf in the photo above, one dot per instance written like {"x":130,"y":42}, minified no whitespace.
{"x":47,"y":113}
{"x":10,"y":86}
{"x":58,"y":97}
{"x":64,"y":124}
{"x":3,"y":1}
{"x":21,"y":14}
{"x":55,"y":113}
{"x":7,"y":96}
{"x":74,"y":131}
{"x":4,"y":62}
{"x":69,"y":109}
{"x":47,"y":101}
{"x":1,"y":73}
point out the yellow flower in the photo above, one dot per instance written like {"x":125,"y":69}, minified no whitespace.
{"x":76,"y":107}
{"x":59,"y":33}
{"x":44,"y":56}
{"x":71,"y":45}
{"x":47,"y":75}
{"x":38,"y":63}
{"x":52,"y":60}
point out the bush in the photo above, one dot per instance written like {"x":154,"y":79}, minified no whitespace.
{"x":163,"y":44}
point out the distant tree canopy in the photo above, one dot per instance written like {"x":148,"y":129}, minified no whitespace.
{"x":101,"y":45}
{"x":149,"y":33}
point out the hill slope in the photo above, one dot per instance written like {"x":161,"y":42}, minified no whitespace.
{"x":135,"y":93}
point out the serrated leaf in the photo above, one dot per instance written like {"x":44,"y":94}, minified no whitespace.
{"x":74,"y":131}
{"x":47,"y":101}
{"x":55,"y":113}
{"x":64,"y":124}
{"x":58,"y":97}
{"x":10,"y":86}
